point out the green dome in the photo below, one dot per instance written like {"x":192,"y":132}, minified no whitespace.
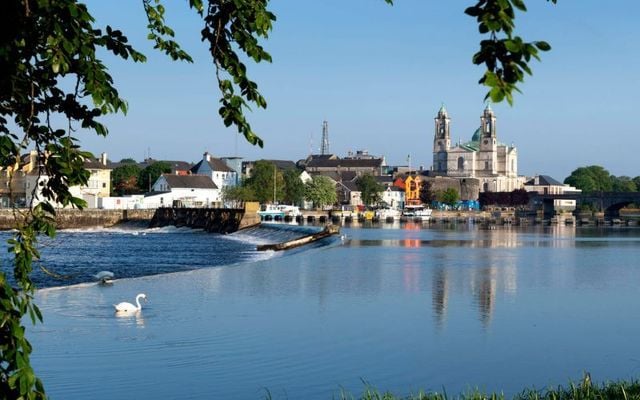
{"x":476,"y":135}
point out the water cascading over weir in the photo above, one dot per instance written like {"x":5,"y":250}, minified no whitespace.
{"x":217,"y":220}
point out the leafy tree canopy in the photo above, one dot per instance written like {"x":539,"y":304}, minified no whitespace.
{"x":124,"y":179}
{"x":293,"y":187}
{"x":427,"y":194}
{"x":593,"y":178}
{"x":236,"y":195}
{"x":150,"y":174}
{"x":623,"y":184}
{"x":128,"y":161}
{"x":321,"y":191}
{"x":262,"y":183}
{"x":449,"y":196}
{"x":369,"y":189}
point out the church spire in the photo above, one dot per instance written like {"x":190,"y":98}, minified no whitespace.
{"x":443,"y":121}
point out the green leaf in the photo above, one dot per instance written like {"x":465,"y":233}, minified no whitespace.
{"x":544,"y":46}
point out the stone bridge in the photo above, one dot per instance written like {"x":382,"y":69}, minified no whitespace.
{"x":608,"y":202}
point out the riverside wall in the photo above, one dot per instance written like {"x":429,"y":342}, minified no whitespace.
{"x":87,"y":218}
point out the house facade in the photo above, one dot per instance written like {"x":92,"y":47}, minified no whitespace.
{"x":183,"y":191}
{"x":98,"y":185}
{"x":217,"y":170}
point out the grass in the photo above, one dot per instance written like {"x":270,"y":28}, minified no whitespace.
{"x":584,"y":390}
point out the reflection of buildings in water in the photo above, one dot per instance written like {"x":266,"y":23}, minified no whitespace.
{"x":439,"y":294}
{"x":484,"y":288}
{"x":562,"y":236}
{"x":412,"y":243}
{"x":412,"y":226}
{"x":411,"y":273}
{"x":501,"y":238}
{"x":485,"y":274}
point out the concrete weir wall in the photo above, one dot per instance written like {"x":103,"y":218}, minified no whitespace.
{"x":219,"y":220}
{"x":87,"y":218}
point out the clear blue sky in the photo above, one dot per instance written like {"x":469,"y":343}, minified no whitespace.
{"x":378,"y":74}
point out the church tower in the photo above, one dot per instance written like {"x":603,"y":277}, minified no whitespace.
{"x":488,"y":156}
{"x":441,"y":140}
{"x":488,"y":124}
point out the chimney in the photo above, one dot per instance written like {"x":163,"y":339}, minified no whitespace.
{"x":33,"y":160}
{"x":103,"y":159}
{"x":206,"y":156}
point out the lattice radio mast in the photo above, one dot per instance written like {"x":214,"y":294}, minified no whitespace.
{"x":324,"y":149}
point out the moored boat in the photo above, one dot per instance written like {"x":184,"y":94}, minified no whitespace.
{"x":388,"y":214}
{"x":417,"y":212}
{"x":279,"y":211}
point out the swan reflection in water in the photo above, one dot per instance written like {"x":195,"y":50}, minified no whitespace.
{"x":130,"y":317}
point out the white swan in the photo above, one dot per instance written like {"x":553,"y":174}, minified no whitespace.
{"x":128,"y":307}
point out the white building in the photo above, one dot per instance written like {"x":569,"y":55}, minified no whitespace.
{"x":493,"y":163}
{"x":183,"y":190}
{"x":217,"y":170}
{"x":545,"y":184}
{"x":393,"y":196}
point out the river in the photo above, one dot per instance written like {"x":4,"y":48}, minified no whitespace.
{"x":402,"y":307}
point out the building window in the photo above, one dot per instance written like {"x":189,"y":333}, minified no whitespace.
{"x":486,"y":165}
{"x":460,"y":163}
{"x":104,"y":185}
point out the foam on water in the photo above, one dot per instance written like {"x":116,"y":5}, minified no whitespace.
{"x":76,"y":255}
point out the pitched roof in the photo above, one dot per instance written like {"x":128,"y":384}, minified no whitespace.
{"x":342,"y":176}
{"x":189,"y":181}
{"x":544,"y":180}
{"x":94,"y":164}
{"x":283,"y":164}
{"x":215,"y":164}
{"x":345,"y":163}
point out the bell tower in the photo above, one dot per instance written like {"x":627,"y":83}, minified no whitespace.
{"x":488,"y":138}
{"x":442,"y":137}
{"x":441,"y":141}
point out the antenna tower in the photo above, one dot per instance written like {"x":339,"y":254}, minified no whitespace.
{"x":325,"y":138}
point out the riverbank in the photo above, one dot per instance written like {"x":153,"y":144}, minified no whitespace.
{"x":584,"y":390}
{"x":87,"y":218}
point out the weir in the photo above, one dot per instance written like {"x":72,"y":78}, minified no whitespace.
{"x":218,"y":220}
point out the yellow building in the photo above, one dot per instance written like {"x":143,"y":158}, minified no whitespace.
{"x":412,"y":186}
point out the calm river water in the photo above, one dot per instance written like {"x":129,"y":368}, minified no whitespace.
{"x":401,"y":307}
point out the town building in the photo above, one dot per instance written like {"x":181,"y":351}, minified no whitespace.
{"x":98,"y":185}
{"x":544,"y":184}
{"x":217,"y":170}
{"x":183,"y":191}
{"x":493,"y":163}
{"x":360,"y":163}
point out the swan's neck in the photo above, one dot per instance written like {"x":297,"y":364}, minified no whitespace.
{"x":138,"y":302}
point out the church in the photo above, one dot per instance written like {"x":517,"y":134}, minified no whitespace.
{"x":493,"y":164}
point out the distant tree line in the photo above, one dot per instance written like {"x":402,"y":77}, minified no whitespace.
{"x":129,"y":178}
{"x":268,"y":184}
{"x":595,"y":178}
